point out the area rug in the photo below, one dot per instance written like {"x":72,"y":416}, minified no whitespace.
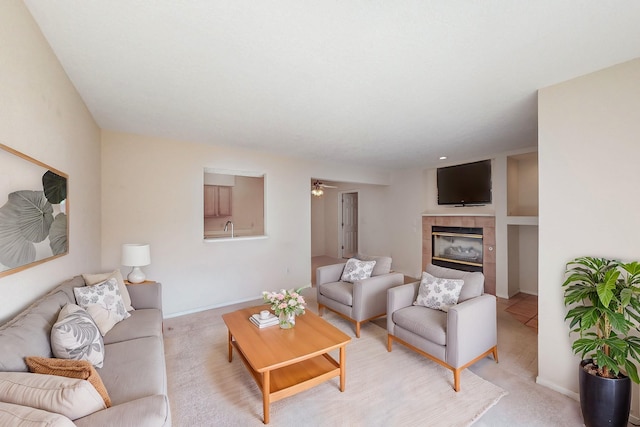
{"x":382,"y":388}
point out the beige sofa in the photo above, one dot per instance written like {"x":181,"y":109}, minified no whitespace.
{"x":134,"y":371}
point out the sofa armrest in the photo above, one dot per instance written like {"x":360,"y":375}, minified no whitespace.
{"x":149,"y":411}
{"x":329,"y":273}
{"x":400,"y":297}
{"x":148,"y":295}
{"x":471,"y":329}
{"x":370,"y":295}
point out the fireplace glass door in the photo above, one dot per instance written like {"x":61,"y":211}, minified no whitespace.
{"x":457,"y":247}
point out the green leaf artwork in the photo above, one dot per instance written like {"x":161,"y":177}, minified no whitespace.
{"x":33,"y":211}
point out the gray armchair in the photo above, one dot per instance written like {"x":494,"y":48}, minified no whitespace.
{"x":455,"y":339}
{"x":362,"y":300}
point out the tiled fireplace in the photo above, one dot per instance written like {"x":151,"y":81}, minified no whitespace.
{"x":461,"y":242}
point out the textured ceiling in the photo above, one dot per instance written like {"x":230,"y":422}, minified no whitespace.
{"x":386,"y":83}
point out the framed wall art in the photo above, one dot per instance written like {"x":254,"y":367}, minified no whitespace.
{"x":34,"y":212}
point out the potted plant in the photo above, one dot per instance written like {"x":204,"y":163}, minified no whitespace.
{"x":604,"y":300}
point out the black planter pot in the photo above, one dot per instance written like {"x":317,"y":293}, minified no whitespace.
{"x":604,"y":401}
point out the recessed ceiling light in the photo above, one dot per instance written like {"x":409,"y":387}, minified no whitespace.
{"x":443,"y":157}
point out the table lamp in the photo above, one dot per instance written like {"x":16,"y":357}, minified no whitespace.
{"x":136,"y":255}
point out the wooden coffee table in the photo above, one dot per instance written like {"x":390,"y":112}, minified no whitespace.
{"x":284,"y":362}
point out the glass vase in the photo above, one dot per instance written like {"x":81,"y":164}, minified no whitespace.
{"x":287,"y":320}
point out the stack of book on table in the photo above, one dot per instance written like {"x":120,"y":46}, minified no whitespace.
{"x":263,"y":323}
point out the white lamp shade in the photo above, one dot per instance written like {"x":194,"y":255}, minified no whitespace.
{"x":135,"y":255}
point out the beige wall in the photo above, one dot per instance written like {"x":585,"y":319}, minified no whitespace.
{"x":42,"y":116}
{"x":589,"y":175}
{"x":152,"y":193}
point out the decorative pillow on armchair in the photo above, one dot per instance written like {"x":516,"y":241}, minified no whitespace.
{"x":355,"y":269}
{"x":437,"y":293}
{"x":103,"y":302}
{"x":76,"y":336}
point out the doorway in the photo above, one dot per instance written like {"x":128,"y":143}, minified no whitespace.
{"x":348,"y":224}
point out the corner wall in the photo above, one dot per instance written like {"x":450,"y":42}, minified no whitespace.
{"x":589,"y":175}
{"x":42,"y":116}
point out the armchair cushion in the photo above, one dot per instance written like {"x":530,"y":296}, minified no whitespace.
{"x":427,"y":323}
{"x":383,"y":263}
{"x":338,"y":291}
{"x":355,"y":269}
{"x":438,"y":293}
{"x":473,"y":281}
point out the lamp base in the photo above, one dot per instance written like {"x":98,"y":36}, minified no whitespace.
{"x":136,"y":275}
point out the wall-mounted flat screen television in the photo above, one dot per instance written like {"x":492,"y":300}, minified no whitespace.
{"x":466,"y":184}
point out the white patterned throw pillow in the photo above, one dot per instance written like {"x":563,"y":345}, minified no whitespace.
{"x":438,"y":293}
{"x":103,"y":302}
{"x":355,"y":269}
{"x":76,"y":336}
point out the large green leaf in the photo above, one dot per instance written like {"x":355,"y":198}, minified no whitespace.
{"x":58,"y":235}
{"x":15,"y":250}
{"x":606,"y":287}
{"x":55,"y":187}
{"x":32,"y":212}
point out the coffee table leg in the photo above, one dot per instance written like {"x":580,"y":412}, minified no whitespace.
{"x":342,"y":367}
{"x":266,"y":387}
{"x":230,"y":347}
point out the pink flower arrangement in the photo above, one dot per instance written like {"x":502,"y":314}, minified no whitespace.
{"x":285,"y":301}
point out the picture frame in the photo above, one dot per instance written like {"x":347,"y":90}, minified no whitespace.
{"x":34,"y":212}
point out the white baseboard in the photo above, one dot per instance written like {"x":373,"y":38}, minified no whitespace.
{"x":555,"y":387}
{"x":210,"y":307}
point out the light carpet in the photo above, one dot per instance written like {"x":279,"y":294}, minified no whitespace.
{"x":382,"y":388}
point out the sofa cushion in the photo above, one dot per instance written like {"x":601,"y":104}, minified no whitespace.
{"x":383,"y":263}
{"x":71,"y":397}
{"x":338,"y":291}
{"x":355,"y":269}
{"x":94,"y":279}
{"x":473,"y":281}
{"x":34,"y":322}
{"x":142,"y":323}
{"x":80,"y":369}
{"x":26,"y":416}
{"x":134,"y":369}
{"x":76,"y":336}
{"x":438,"y":293}
{"x":103,"y":302}
{"x":426,"y":322}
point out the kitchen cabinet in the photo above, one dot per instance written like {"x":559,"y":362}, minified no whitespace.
{"x":217,"y":201}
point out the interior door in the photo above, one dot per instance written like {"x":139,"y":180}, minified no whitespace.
{"x":349,"y":224}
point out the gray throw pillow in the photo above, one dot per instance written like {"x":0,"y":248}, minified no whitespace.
{"x":438,"y":293}
{"x":76,"y":336}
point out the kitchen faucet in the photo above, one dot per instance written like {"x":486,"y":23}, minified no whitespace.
{"x":226,"y":227}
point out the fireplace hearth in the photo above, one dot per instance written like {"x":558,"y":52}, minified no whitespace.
{"x":457,"y":247}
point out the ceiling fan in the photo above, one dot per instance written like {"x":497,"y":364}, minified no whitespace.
{"x":317,"y":188}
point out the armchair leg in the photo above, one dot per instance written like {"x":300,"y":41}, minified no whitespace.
{"x":495,"y":353}
{"x":389,"y":343}
{"x":320,"y":309}
{"x":357,"y":329}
